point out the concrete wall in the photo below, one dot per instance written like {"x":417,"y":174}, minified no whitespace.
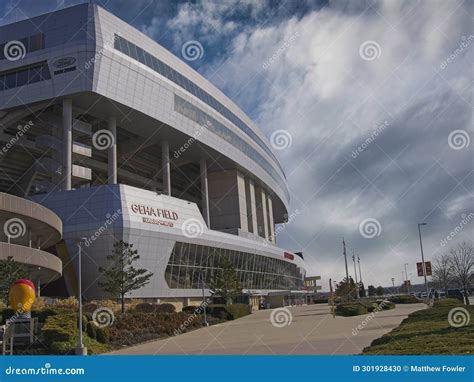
{"x":227,"y":200}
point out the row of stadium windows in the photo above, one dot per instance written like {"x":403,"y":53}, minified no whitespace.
{"x":24,"y":76}
{"x":165,"y":70}
{"x":203,"y":119}
{"x":189,"y":264}
{"x":16,"y":49}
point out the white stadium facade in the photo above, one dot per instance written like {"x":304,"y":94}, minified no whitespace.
{"x":124,"y":141}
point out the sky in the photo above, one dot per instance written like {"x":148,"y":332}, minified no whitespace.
{"x":368,"y":105}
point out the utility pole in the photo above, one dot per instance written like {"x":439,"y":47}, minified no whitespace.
{"x":406,"y":279}
{"x":423,"y":258}
{"x":345,"y":258}
{"x":355,"y":272}
{"x":360,"y":273}
{"x":393,"y":284}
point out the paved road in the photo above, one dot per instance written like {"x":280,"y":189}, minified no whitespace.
{"x":311,"y":331}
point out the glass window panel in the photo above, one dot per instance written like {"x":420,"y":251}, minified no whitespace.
{"x":45,"y":73}
{"x":10,"y":80}
{"x":22,"y":77}
{"x":2,"y":83}
{"x":133,"y":50}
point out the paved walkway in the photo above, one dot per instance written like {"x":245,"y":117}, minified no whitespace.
{"x":312,"y":331}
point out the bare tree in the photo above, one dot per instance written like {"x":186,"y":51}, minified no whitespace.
{"x":462,"y":261}
{"x":443,"y":271}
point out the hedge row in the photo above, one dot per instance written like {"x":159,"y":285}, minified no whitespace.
{"x":221,"y":311}
{"x":404,"y":299}
{"x":60,"y":335}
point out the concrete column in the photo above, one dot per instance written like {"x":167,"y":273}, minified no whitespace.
{"x":67,"y":144}
{"x":204,"y":191}
{"x":112,"y":152}
{"x":271,"y":222}
{"x":251,"y":207}
{"x":262,"y":218}
{"x":165,"y":158}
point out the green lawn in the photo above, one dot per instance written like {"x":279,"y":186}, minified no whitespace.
{"x":428,"y":332}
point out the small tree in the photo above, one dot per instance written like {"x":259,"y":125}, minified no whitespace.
{"x":443,"y":272}
{"x":225,"y":282}
{"x":346,"y":289}
{"x":379,"y":291}
{"x":371,"y":290}
{"x":121,"y":277}
{"x":462,"y":261}
{"x":10,"y":271}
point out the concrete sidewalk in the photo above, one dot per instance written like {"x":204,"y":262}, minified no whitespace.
{"x":312,"y":331}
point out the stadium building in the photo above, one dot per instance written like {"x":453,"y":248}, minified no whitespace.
{"x":124,"y":141}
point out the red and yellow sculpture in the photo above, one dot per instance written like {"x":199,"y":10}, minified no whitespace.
{"x":22,"y":296}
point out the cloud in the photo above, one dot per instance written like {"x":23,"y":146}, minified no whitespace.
{"x":321,"y":90}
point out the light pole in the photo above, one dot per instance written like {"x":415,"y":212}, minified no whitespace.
{"x":345,"y":258}
{"x":81,"y":349}
{"x":355,"y":273}
{"x":406,"y":279}
{"x":203,"y":298}
{"x":423,"y":258}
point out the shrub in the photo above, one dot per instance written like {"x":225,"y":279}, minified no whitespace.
{"x":89,"y":307}
{"x":448,"y":302}
{"x":144,"y":307}
{"x":347,"y":310}
{"x":228,"y":312}
{"x":91,"y":329}
{"x":321,"y":300}
{"x":191,"y":309}
{"x":67,"y":303}
{"x":103,"y":335}
{"x":60,"y":335}
{"x":238,"y":310}
{"x":404,"y":299}
{"x":165,"y":308}
{"x":5,"y":315}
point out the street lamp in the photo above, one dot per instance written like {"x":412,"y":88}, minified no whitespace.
{"x":406,"y":279}
{"x":203,"y":298}
{"x":423,"y":258}
{"x":81,"y":349}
